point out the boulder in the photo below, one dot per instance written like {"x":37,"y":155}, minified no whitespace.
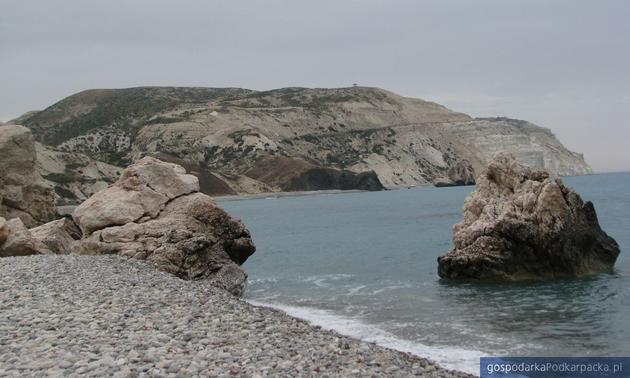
{"x":23,"y":193}
{"x":142,"y":191}
{"x":522,"y":224}
{"x":58,"y":236}
{"x":18,"y":240}
{"x":155,"y":212}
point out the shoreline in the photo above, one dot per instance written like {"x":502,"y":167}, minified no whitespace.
{"x":276,"y":195}
{"x":68,"y":209}
{"x":106,"y":315}
{"x":453,"y":358}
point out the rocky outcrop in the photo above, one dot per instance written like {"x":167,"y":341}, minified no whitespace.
{"x":330,"y":179}
{"x":142,"y":191}
{"x":462,"y":173}
{"x":221,"y":135}
{"x":522,"y":224}
{"x":292,"y":174}
{"x":154,"y":212}
{"x":17,"y":240}
{"x":23,"y":193}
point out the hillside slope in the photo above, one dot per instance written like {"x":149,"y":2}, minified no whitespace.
{"x":246,"y":141}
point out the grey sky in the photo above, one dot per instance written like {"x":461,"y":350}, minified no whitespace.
{"x":561,"y":64}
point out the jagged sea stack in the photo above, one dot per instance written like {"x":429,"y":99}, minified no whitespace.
{"x":521,"y":224}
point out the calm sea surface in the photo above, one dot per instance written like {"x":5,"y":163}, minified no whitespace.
{"x":365,"y":265}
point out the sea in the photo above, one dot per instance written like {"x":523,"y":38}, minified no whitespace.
{"x":364,"y":264}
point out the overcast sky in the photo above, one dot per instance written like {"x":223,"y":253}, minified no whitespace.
{"x":564,"y":65}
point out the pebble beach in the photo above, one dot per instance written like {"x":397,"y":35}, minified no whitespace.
{"x":109,"y":316}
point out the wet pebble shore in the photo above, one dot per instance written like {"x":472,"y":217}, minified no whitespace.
{"x":108,"y":316}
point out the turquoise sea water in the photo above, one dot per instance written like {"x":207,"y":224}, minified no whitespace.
{"x":365,"y":265}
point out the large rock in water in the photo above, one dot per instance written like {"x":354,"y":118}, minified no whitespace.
{"x":23,"y":193}
{"x":154,"y":212}
{"x":522,"y":224}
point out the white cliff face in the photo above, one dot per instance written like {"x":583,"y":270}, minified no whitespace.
{"x":533,"y":146}
{"x":232,"y":134}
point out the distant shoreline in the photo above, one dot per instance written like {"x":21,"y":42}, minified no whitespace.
{"x":271,"y":195}
{"x":68,"y":209}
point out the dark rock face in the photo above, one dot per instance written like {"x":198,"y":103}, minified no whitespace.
{"x":290,"y":174}
{"x":462,"y":173}
{"x":521,"y":224}
{"x":328,"y":179}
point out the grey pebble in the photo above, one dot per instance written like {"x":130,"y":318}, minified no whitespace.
{"x":109,"y":316}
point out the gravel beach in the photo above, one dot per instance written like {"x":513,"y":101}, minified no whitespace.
{"x":108,"y":316}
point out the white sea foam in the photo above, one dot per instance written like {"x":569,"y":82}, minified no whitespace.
{"x":448,"y":357}
{"x":322,"y":280}
{"x":391,"y":287}
{"x":356,"y":289}
{"x":262,"y":280}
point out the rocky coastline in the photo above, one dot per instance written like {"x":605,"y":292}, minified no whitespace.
{"x":144,"y":279}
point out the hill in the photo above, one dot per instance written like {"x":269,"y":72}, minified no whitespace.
{"x":245,"y":141}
